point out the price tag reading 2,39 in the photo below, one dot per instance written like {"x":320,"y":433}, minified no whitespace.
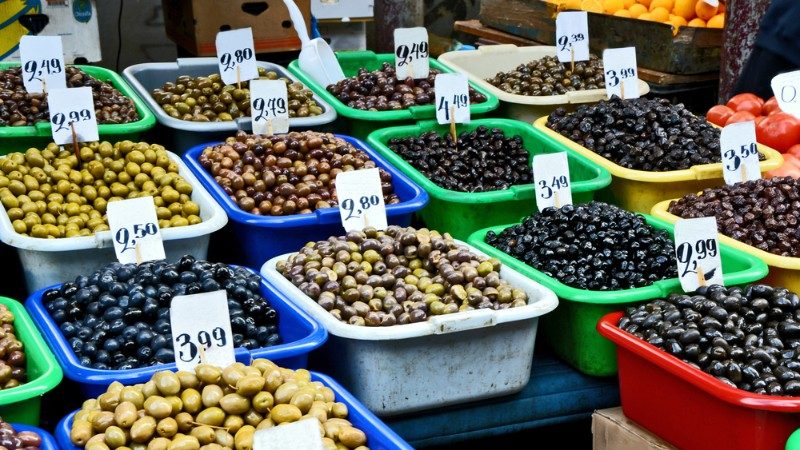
{"x":737,"y":142}
{"x":236,"y":55}
{"x":697,"y":253}
{"x":411,"y":53}
{"x":201,"y":330}
{"x":361,"y":199}
{"x":269,"y":106}
{"x":135,"y":231}
{"x":70,"y":109}
{"x":786,"y":88}
{"x":621,"y":76}
{"x":551,"y":178}
{"x":452,"y":98}
{"x":572,"y":36}
{"x":42,"y":62}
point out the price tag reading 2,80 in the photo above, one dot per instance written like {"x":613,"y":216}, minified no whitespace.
{"x":452,"y":98}
{"x":697,"y":253}
{"x":572,"y":36}
{"x":42,"y":62}
{"x":411,"y":55}
{"x":737,"y":142}
{"x":135,"y":231}
{"x":621,"y":75}
{"x":70,"y":109}
{"x":269,"y":106}
{"x":361,"y":199}
{"x":551,"y":179}
{"x":236,"y":56}
{"x":201,"y":330}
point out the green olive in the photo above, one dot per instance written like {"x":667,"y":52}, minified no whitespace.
{"x":213,"y":416}
{"x":234,"y":404}
{"x":285,"y":413}
{"x":143,"y":429}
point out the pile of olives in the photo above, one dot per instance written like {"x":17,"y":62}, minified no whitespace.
{"x":12,"y":355}
{"x":212,"y":409}
{"x":547,"y":76}
{"x":50,"y":193}
{"x":10,"y":439}
{"x":209,"y":99}
{"x":398,"y":276}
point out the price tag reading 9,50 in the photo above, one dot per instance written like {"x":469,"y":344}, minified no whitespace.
{"x":411,"y":53}
{"x":361,"y":199}
{"x":697,"y":253}
{"x":452,"y":98}
{"x":737,"y":142}
{"x":786,"y":88}
{"x":551,"y":178}
{"x":201,"y":330}
{"x":621,"y":76}
{"x":135,"y":231}
{"x":70,"y":109}
{"x":269,"y":106}
{"x":42,"y":61}
{"x":236,"y":55}
{"x":572,"y":36}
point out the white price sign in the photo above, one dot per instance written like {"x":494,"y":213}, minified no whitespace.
{"x":786,"y":88}
{"x":714,"y":3}
{"x":737,"y":142}
{"x":452,"y":98}
{"x":269,"y":106}
{"x":621,"y":76}
{"x":42,"y":60}
{"x":697,"y":253}
{"x":361,"y":199}
{"x":411,"y":55}
{"x":201,"y":330}
{"x":300,"y":435}
{"x":551,"y":178}
{"x":72,"y":109}
{"x":135,"y":231}
{"x":236,"y":55}
{"x":572,"y":36}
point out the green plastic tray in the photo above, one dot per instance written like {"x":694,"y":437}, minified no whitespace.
{"x":570,"y":329}
{"x":40,"y":134}
{"x":22,"y":404}
{"x":360,"y":122}
{"x":794,"y":441}
{"x":462,"y":213}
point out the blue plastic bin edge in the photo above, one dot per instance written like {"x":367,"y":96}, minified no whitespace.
{"x":48,"y":441}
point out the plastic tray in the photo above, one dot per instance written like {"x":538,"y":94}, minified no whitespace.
{"x":639,"y":190}
{"x":690,"y":408}
{"x":186,"y":134}
{"x":462,"y":213}
{"x":360,"y":122}
{"x":379,"y":435}
{"x":794,"y":441}
{"x":48,"y":441}
{"x":488,"y":60}
{"x":259,"y":238}
{"x":22,"y":404}
{"x":40,"y":134}
{"x":51,"y":261}
{"x":377,"y":363}
{"x":570,"y":330}
{"x":301,"y":334}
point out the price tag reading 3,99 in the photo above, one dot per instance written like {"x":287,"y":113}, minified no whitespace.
{"x":269,"y":106}
{"x":551,"y":178}
{"x":452,"y":98}
{"x":786,"y":88}
{"x":621,"y":76}
{"x":42,"y":61}
{"x":201,"y":330}
{"x":361,"y":199}
{"x":697,"y":253}
{"x":135,"y":231}
{"x":737,"y":142}
{"x":300,"y":435}
{"x":572,"y":36}
{"x":411,"y":54}
{"x":72,"y":108}
{"x":236,"y":56}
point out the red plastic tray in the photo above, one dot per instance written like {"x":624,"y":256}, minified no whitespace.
{"x":690,"y":408}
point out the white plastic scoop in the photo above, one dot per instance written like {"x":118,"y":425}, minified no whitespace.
{"x":316,"y":56}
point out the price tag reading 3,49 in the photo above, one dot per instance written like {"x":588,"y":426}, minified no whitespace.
{"x":42,"y":61}
{"x":697,"y":253}
{"x":236,"y":55}
{"x":361,"y":199}
{"x":737,"y":142}
{"x":621,"y":76}
{"x":786,"y":88}
{"x":201,"y":330}
{"x":551,"y":178}
{"x":572,"y":36}
{"x":300,"y":435}
{"x":135,"y":231}
{"x":269,"y":106}
{"x":452,"y":98}
{"x":411,"y":54}
{"x":70,"y":109}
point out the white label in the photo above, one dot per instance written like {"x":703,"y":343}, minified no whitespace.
{"x":737,"y":142}
{"x":361,"y":199}
{"x":714,"y":3}
{"x":301,"y":435}
{"x":551,"y":178}
{"x":572,"y":36}
{"x":135,"y":231}
{"x":42,"y":59}
{"x":697,"y":253}
{"x":786,"y":88}
{"x":70,"y":109}
{"x":201,"y":330}
{"x":452,"y":98}
{"x":269,"y":106}
{"x":236,"y":56}
{"x":411,"y":53}
{"x":621,"y":75}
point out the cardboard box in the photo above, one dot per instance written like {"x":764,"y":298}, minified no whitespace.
{"x":194,"y":24}
{"x":611,"y":430}
{"x":342,"y":9}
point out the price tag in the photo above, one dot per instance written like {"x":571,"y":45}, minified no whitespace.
{"x":300,"y":435}
{"x":411,"y":53}
{"x":269,"y":106}
{"x":361,"y":199}
{"x":42,"y":59}
{"x":551,"y":178}
{"x":621,"y":75}
{"x":572,"y":36}
{"x":70,"y":109}
{"x":697,"y":253}
{"x":452,"y":98}
{"x":134,"y":228}
{"x":786,"y":88}
{"x":737,"y":142}
{"x":714,"y":3}
{"x":236,"y":56}
{"x":201,"y":330}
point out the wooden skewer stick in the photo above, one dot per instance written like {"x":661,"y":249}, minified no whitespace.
{"x":270,"y":130}
{"x":238,"y":78}
{"x":572,"y":59}
{"x":701,"y":278}
{"x":744,"y":172}
{"x":453,"y":124}
{"x":203,"y":358}
{"x":138,"y":250}
{"x":622,"y":89}
{"x":557,"y":200}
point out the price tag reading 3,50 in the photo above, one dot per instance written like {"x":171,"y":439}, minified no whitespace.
{"x":42,"y":62}
{"x":70,"y":109}
{"x":737,"y":142}
{"x":786,"y":88}
{"x":551,"y":178}
{"x":621,"y":76}
{"x":269,"y":106}
{"x":452,"y":98}
{"x":361,"y":199}
{"x":300,"y":435}
{"x":572,"y":36}
{"x":411,"y":55}
{"x":135,"y":231}
{"x":236,"y":55}
{"x":201,"y":330}
{"x":697,"y":253}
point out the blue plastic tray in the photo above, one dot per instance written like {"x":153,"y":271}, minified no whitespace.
{"x":301,"y":334}
{"x":379,"y":435}
{"x":259,"y":238}
{"x":48,"y":441}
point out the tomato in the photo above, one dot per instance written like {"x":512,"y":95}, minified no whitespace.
{"x":734,"y":102}
{"x":759,"y":119}
{"x":770,"y":106}
{"x":779,"y":131}
{"x":751,"y":106}
{"x":740,"y":116}
{"x":793,"y":150}
{"x":719,"y":114}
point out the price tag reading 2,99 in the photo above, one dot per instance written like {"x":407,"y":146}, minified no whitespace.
{"x":70,"y":109}
{"x":621,"y":75}
{"x":201,"y":330}
{"x":135,"y":231}
{"x":697,"y":253}
{"x":236,"y":56}
{"x":572,"y":36}
{"x":42,"y":61}
{"x":551,"y":178}
{"x":361,"y":199}
{"x":411,"y":55}
{"x":452,"y":98}
{"x":269,"y":106}
{"x":737,"y":142}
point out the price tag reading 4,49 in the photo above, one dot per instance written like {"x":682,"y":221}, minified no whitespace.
{"x":452,"y":98}
{"x":201,"y":330}
{"x":269,"y":106}
{"x":697,"y":253}
{"x":72,"y":109}
{"x":737,"y":142}
{"x":786,"y":88}
{"x":572,"y":36}
{"x":134,"y":230}
{"x":236,"y":56}
{"x":621,"y":76}
{"x":411,"y":53}
{"x":361,"y":199}
{"x":551,"y":178}
{"x":42,"y":60}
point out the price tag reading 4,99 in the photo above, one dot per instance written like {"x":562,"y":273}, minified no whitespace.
{"x":72,"y":108}
{"x":269,"y":106}
{"x":620,"y":72}
{"x":361,"y":199}
{"x":786,"y":88}
{"x":134,"y":230}
{"x":236,"y":56}
{"x":572,"y":36}
{"x":551,"y":178}
{"x":697,"y":253}
{"x":411,"y":55}
{"x":42,"y":61}
{"x":452,"y":98}
{"x":737,"y":142}
{"x":201,"y":330}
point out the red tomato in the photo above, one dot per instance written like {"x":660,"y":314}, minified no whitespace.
{"x":793,"y":150}
{"x":734,"y":102}
{"x":759,"y":119}
{"x":770,"y":106}
{"x":751,"y":106}
{"x":740,"y":116}
{"x":719,"y":114}
{"x":779,"y":131}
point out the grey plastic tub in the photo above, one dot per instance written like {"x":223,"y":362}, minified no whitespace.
{"x":186,"y":134}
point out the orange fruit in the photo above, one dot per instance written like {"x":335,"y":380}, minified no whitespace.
{"x":696,"y":23}
{"x":684,"y":8}
{"x":644,"y":2}
{"x":637,"y":10}
{"x":717,"y":21}
{"x":647,"y":16}
{"x":592,"y":6}
{"x":623,"y":13}
{"x":612,"y":6}
{"x":660,"y":14}
{"x":666,"y":4}
{"x":677,"y":21}
{"x":628,"y":3}
{"x":572,"y":4}
{"x":704,"y":10}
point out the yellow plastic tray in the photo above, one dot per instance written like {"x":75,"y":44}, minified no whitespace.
{"x":639,"y":190}
{"x":783,"y":270}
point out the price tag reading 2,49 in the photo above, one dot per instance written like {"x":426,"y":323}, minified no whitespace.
{"x":621,"y":76}
{"x":361,"y":199}
{"x":452,"y":98}
{"x":42,"y":61}
{"x":411,"y":54}
{"x":135,"y":231}
{"x":572,"y":36}
{"x":737,"y":142}
{"x":551,"y":178}
{"x":70,"y":109}
{"x":269,"y":106}
{"x":236,"y":55}
{"x":697,"y":253}
{"x":201,"y":330}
